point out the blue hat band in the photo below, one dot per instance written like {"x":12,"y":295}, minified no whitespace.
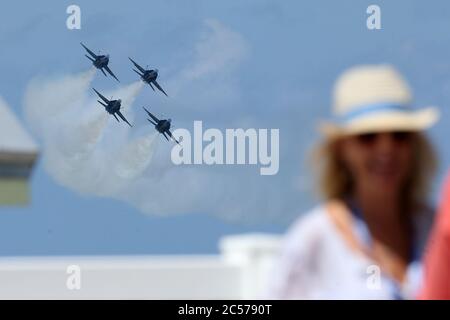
{"x":372,"y":108}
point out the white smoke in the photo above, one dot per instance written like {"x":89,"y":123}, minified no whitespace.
{"x":86,"y":150}
{"x":84,"y":147}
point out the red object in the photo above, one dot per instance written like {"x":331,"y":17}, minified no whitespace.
{"x":437,"y":257}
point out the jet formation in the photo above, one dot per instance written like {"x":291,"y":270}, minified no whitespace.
{"x":113,"y":107}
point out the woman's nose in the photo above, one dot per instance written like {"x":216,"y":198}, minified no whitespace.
{"x":385,"y":142}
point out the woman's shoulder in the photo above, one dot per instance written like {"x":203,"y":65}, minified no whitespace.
{"x":314,"y":216}
{"x":308,"y":227}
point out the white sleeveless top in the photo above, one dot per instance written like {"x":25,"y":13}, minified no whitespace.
{"x":316,"y":263}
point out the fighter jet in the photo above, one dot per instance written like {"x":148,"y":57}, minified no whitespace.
{"x":162,"y":126}
{"x":112,"y":107}
{"x":99,"y":61}
{"x":148,"y":76}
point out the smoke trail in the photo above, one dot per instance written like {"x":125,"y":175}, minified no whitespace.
{"x":135,"y":158}
{"x":84,"y":147}
{"x":47,"y":99}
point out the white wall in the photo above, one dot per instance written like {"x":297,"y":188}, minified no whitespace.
{"x":238,"y":272}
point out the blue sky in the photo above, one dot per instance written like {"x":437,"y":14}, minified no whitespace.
{"x":278,"y":61}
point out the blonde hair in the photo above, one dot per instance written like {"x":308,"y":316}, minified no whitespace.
{"x":335,"y":180}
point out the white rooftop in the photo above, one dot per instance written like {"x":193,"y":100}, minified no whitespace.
{"x":13,"y":137}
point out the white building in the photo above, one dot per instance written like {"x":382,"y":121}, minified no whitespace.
{"x":239,"y":272}
{"x":18,"y":153}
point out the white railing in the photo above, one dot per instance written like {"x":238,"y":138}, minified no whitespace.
{"x":239,"y":272}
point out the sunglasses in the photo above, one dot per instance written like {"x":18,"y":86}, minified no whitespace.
{"x":396,"y":136}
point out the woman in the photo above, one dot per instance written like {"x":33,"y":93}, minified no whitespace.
{"x":375,"y":164}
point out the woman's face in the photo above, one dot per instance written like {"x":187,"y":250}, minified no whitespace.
{"x":378,"y":161}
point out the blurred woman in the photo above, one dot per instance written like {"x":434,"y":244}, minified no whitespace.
{"x":374,"y":165}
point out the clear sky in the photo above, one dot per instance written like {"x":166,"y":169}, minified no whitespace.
{"x":258,"y":64}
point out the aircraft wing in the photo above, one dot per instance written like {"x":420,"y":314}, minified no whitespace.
{"x":111,"y":73}
{"x":170,"y":135}
{"x":123,"y":118}
{"x":89,"y":51}
{"x":137,"y":66}
{"x":151,"y":116}
{"x":100,"y":95}
{"x":138,"y":72}
{"x":159,"y":87}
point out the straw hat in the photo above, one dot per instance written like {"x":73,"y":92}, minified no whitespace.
{"x":375,"y":98}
